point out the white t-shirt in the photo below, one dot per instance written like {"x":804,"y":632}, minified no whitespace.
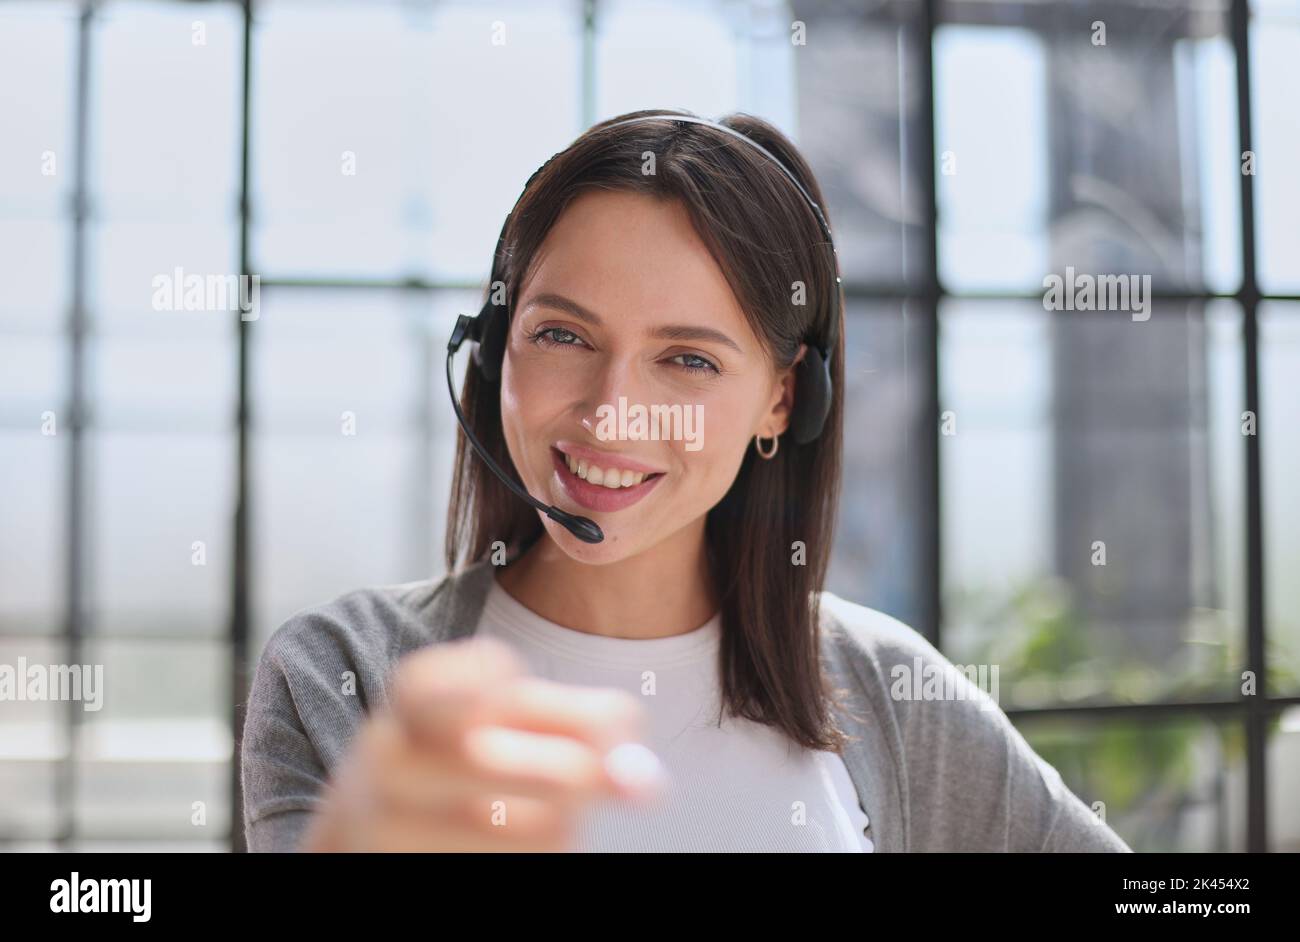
{"x":741,"y":786}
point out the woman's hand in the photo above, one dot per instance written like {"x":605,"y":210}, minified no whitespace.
{"x":472,"y":754}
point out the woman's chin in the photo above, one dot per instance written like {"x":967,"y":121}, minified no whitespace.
{"x":615,"y":546}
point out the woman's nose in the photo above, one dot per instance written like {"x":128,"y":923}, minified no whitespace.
{"x":614,"y":377}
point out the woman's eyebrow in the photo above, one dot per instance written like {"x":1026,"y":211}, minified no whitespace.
{"x":693,"y":332}
{"x":668,"y":332}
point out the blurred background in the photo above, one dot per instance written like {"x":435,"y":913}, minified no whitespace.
{"x":360,"y":157}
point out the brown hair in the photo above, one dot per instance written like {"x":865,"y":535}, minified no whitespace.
{"x":764,"y":237}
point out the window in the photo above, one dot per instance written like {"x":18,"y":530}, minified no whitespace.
{"x":1102,"y":506}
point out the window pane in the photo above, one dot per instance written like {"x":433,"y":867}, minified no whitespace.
{"x":1093,"y":501}
{"x":1275,"y":75}
{"x":34,"y":262}
{"x":160,"y":743}
{"x":38,"y":54}
{"x":33,"y":573}
{"x":164,"y":86}
{"x":353,"y":434}
{"x":32,"y":741}
{"x":33,"y":377}
{"x":1110,"y":160}
{"x":1162,"y":785}
{"x":862,"y":136}
{"x":174,"y":377}
{"x":876,"y":557}
{"x":389,"y":168}
{"x":143,"y":274}
{"x":704,"y":41}
{"x":1284,"y":782}
{"x":181,"y":845}
{"x":993,"y":197}
{"x":30,"y":787}
{"x":1279,"y":447}
{"x":160,"y":510}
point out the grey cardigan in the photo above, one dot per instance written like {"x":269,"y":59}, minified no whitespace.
{"x":932,"y":774}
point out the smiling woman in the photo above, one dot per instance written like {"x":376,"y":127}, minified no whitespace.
{"x":699,"y":285}
{"x":679,"y":680}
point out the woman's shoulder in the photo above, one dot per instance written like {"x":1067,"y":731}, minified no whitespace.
{"x":328,"y":664}
{"x":378,"y":623}
{"x":322,"y":670}
{"x":367,"y":616}
{"x":934,"y":717}
{"x":897,"y":671}
{"x":870,"y":633}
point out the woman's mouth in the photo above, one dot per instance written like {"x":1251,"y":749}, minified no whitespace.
{"x":600,"y":488}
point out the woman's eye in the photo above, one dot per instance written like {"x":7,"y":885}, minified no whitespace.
{"x":555,"y":335}
{"x":696,"y":363}
{"x":562,"y":337}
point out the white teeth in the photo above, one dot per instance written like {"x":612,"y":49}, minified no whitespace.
{"x":613,"y":478}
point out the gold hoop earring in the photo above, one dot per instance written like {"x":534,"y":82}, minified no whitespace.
{"x":776,"y":443}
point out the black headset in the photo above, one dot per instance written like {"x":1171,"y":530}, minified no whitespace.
{"x":489,"y":329}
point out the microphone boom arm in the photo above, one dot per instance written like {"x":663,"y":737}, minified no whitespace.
{"x":581,"y":527}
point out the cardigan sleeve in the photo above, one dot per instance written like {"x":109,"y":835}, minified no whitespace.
{"x":970,"y":782}
{"x":983,"y":786}
{"x":322,"y":672}
{"x":280,"y":771}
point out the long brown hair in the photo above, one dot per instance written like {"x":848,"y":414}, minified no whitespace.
{"x":764,"y":237}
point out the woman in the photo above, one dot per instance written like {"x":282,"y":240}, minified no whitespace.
{"x":680,"y":680}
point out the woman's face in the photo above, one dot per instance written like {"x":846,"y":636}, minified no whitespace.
{"x":626,"y":303}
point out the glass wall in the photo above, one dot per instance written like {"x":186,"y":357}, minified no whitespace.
{"x":1102,"y":503}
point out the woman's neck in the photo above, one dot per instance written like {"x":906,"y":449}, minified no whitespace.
{"x":662,"y":592}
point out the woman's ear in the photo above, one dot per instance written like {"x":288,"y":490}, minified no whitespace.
{"x":777,"y":418}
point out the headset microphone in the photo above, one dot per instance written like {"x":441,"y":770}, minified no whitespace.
{"x":584,"y":529}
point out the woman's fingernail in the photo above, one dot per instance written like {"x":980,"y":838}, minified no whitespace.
{"x":636,"y":769}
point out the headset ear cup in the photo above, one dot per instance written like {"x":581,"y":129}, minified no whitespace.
{"x":491,"y":341}
{"x":812,"y":396}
